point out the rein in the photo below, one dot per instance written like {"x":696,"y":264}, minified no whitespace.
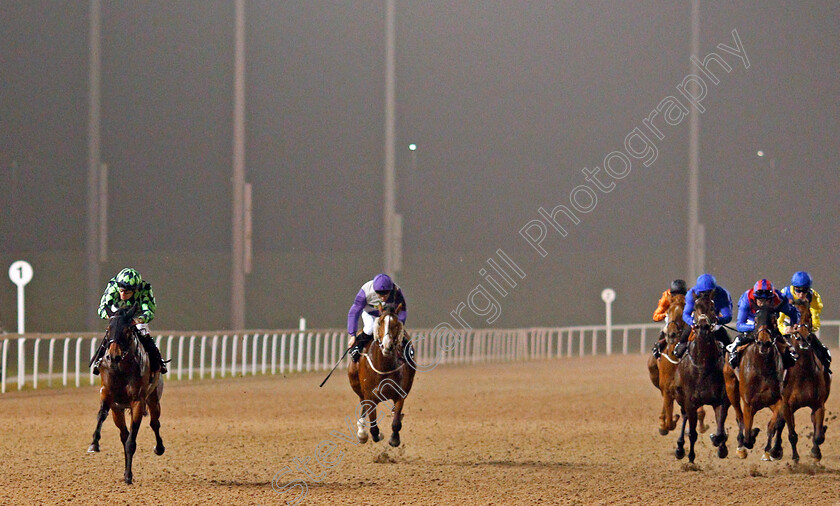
{"x":377,"y":371}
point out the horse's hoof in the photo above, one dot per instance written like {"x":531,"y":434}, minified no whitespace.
{"x":93,"y":449}
{"x":723,"y":451}
{"x":776,"y":453}
{"x":363,"y":439}
{"x":159,"y":450}
{"x":816,"y":453}
{"x":741,"y":452}
{"x":376,"y":437}
{"x":394,"y":440}
{"x":663,"y":432}
{"x":128,"y":479}
{"x":766,"y":457}
{"x":679,"y":453}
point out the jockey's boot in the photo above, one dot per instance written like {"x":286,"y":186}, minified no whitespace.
{"x":734,"y":354}
{"x":155,"y":359}
{"x":658,"y":346}
{"x":97,"y":359}
{"x":682,"y":345}
{"x":361,"y":341}
{"x":789,"y":356}
{"x":822,"y":352}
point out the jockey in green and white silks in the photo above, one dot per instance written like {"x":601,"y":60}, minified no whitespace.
{"x":124,"y":290}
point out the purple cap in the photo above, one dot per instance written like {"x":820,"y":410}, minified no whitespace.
{"x":382,"y":283}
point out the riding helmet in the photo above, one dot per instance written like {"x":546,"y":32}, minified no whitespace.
{"x":382,"y":283}
{"x":763,"y":289}
{"x":129,"y":279}
{"x":801,"y":279}
{"x":678,"y":287}
{"x":705,"y":282}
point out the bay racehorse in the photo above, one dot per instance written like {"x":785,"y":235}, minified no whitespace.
{"x":806,"y":384}
{"x":662,"y":369}
{"x":127,"y":383}
{"x":760,"y":374}
{"x":384,"y":373}
{"x":698,"y":380}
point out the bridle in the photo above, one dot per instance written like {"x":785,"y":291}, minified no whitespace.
{"x":124,"y":347}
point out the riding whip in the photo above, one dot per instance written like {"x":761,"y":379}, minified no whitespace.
{"x":336,"y":365}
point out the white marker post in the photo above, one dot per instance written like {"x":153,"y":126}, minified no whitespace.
{"x":608,"y":296}
{"x":20,"y":273}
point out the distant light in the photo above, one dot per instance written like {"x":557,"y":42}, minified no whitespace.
{"x":760,"y":153}
{"x":412,"y":146}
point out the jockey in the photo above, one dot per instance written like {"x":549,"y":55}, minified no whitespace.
{"x":678,"y":287}
{"x":800,"y":288}
{"x":762,"y":294}
{"x":378,"y":291}
{"x":706,"y":285}
{"x":123,"y":291}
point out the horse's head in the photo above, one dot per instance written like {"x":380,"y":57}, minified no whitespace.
{"x":120,"y":333}
{"x":675,"y":321}
{"x":388,"y":330}
{"x":764,"y":323}
{"x":803,"y":329}
{"x":704,"y":312}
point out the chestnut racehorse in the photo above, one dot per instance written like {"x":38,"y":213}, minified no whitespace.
{"x":699,"y":380}
{"x":807,"y":384}
{"x":760,"y":374}
{"x":662,"y":369}
{"x":127,"y":383}
{"x":385,"y":372}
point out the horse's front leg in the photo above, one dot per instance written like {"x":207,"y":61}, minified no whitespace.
{"x":749,"y":433}
{"x":154,"y":422}
{"x":817,"y":418}
{"x":719,"y":437}
{"x":104,"y":407}
{"x":131,"y":442}
{"x":773,"y":449}
{"x":375,"y":435}
{"x":680,"y":450}
{"x":692,"y":433}
{"x":396,"y":425}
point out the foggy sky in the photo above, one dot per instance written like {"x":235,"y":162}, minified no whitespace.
{"x":507,"y":103}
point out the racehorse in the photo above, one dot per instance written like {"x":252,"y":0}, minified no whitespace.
{"x":760,"y":374}
{"x":807,"y":384}
{"x":699,"y":380}
{"x":383,"y":374}
{"x":127,"y":383}
{"x":662,"y":369}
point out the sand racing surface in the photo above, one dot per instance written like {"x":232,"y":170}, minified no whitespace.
{"x":564,"y":431}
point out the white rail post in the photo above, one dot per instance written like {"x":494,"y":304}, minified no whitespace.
{"x":300,"y":352}
{"x":642,"y":341}
{"x":191,"y":357}
{"x":233,"y":355}
{"x":624,"y":340}
{"x":274,"y":354}
{"x":244,"y":355}
{"x":214,"y":353}
{"x":282,"y":353}
{"x":254,"y":355}
{"x":202,"y":356}
{"x":5,"y":364}
{"x":309,"y":351}
{"x":169,"y":348}
{"x":316,"y":355}
{"x":594,"y":342}
{"x":78,"y":361}
{"x":64,"y":359}
{"x":608,"y":296}
{"x":224,"y":356}
{"x":265,"y":353}
{"x":50,"y":362}
{"x":35,"y":365}
{"x":21,"y":365}
{"x":92,"y":351}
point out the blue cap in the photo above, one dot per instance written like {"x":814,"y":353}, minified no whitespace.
{"x":705,"y":282}
{"x":802,"y":279}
